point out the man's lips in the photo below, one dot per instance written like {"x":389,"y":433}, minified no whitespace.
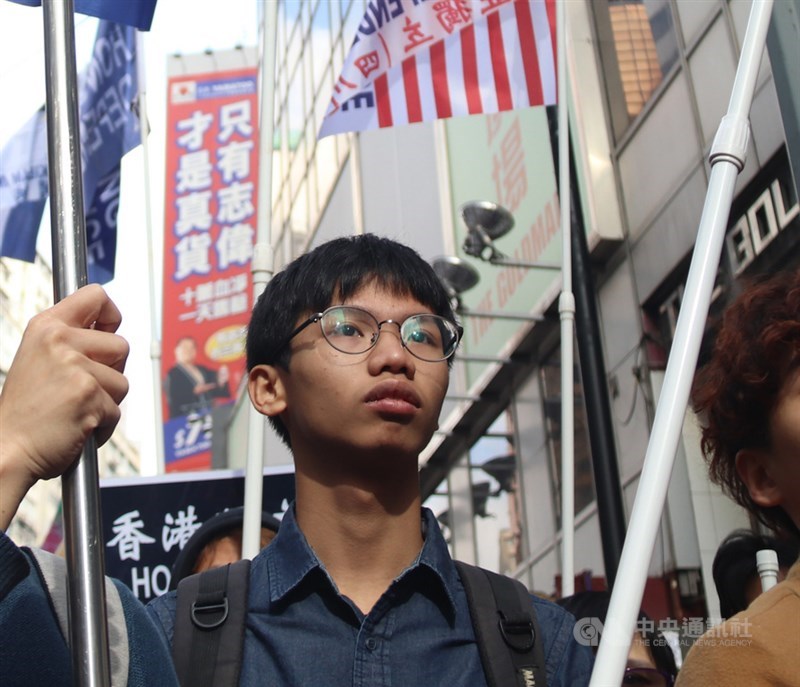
{"x":393,"y":397}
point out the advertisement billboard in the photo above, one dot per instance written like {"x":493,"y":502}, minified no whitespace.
{"x":508,"y":161}
{"x":210,"y":211}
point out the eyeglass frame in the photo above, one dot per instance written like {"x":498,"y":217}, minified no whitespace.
{"x":669,"y":680}
{"x":317,"y":317}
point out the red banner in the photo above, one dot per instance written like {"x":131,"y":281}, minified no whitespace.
{"x":210,"y":228}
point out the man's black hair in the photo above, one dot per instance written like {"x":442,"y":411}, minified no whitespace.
{"x":336,"y":270}
{"x":735,"y":564}
{"x":594,"y":604}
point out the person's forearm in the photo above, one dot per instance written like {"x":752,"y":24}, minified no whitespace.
{"x":14,"y":485}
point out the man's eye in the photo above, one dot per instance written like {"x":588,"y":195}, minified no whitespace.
{"x":346,"y":329}
{"x":419,"y":336}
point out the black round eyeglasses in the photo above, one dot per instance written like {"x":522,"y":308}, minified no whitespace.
{"x":353,"y":330}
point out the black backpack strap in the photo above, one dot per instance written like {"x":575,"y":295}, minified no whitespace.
{"x":506,"y":628}
{"x":209,"y":626}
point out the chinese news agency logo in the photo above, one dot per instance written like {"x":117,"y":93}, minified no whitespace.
{"x":735,"y":632}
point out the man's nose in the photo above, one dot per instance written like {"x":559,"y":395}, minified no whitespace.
{"x":389,"y":349}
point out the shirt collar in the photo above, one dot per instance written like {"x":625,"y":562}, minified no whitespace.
{"x":290,"y":559}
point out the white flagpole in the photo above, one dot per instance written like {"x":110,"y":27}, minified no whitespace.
{"x":566,"y":309}
{"x":155,"y":339}
{"x":727,"y":159}
{"x":262,"y":266}
{"x":88,"y":626}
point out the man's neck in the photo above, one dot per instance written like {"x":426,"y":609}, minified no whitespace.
{"x":364,"y":540}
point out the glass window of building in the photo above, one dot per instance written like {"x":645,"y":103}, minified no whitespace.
{"x":638,"y":47}
{"x":313,"y":39}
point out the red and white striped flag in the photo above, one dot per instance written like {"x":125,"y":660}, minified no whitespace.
{"x":414,"y":61}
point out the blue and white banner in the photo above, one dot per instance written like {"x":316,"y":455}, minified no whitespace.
{"x":107,"y":92}
{"x":23,"y":188}
{"x":138,"y":13}
{"x":108,"y":88}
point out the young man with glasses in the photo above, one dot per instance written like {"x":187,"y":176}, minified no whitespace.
{"x":348,"y":352}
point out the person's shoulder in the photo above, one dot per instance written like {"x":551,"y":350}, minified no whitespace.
{"x":549,"y":607}
{"x":716,"y":658}
{"x":753,"y":647}
{"x":14,"y":565}
{"x":553,"y":619}
{"x":567,"y":661}
{"x":162,"y":611}
{"x":777,"y":598}
{"x":149,"y":653}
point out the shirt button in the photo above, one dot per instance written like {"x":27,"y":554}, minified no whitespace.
{"x":372,"y":644}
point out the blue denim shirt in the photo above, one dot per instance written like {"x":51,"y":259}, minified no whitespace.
{"x":300,"y":631}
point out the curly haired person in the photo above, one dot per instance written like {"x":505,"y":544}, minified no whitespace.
{"x":748,"y":397}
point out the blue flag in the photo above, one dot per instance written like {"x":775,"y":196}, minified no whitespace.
{"x":137,"y":13}
{"x":23,"y":188}
{"x":107,"y":87}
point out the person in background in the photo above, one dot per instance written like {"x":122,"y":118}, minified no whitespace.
{"x":190,"y":386}
{"x":748,"y":399}
{"x":651,"y":662}
{"x":217,"y":542}
{"x":735,"y":573}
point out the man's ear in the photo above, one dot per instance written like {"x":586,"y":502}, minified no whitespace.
{"x":267,"y":391}
{"x":753,"y":466}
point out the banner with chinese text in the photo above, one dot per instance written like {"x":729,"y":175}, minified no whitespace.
{"x":210,"y":211}
{"x":148,"y":520}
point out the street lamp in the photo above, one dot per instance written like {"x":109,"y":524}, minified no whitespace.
{"x":458,"y":276}
{"x":487,"y":221}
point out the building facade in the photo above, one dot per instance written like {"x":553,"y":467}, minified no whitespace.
{"x":649,"y":83}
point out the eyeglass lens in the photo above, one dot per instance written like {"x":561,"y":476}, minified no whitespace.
{"x":644,"y":677}
{"x":353,"y":330}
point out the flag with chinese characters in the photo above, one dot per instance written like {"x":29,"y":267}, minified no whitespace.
{"x":109,"y":128}
{"x":209,"y":233}
{"x":416,"y":62}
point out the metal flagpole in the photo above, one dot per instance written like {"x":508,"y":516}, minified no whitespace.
{"x":155,"y":339}
{"x":727,"y":158}
{"x":262,"y":267}
{"x":566,"y":309}
{"x":88,"y":631}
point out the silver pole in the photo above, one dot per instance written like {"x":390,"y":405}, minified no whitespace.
{"x":566,"y":309}
{"x":727,"y":159}
{"x":497,"y":315}
{"x":88,"y":633}
{"x":504,"y":262}
{"x":262,"y":267}
{"x":155,"y":338}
